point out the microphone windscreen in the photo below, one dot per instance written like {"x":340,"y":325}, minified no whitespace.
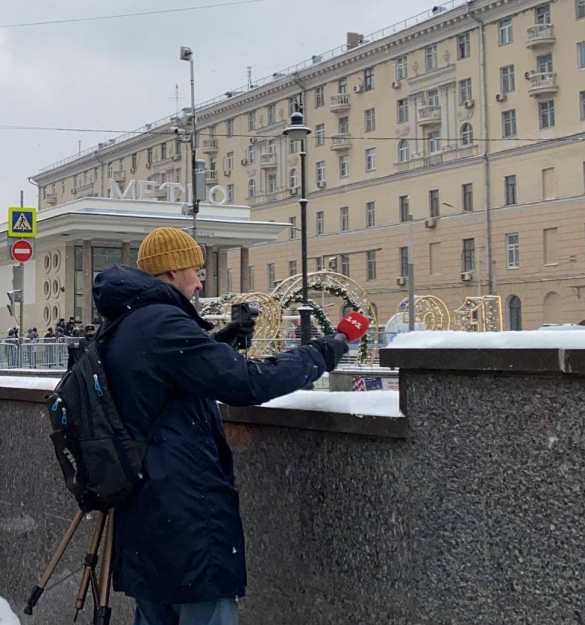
{"x":354,"y":326}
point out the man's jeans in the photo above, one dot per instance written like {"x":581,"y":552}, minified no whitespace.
{"x":220,"y":612}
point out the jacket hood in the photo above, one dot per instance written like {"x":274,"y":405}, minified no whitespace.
{"x":121,"y":288}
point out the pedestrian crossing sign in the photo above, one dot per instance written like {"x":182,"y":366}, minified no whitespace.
{"x":22,"y":222}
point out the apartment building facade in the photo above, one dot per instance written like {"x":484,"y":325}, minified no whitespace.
{"x":459,"y":137}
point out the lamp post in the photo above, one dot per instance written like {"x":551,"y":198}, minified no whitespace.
{"x":186,"y":54}
{"x":297,"y":131}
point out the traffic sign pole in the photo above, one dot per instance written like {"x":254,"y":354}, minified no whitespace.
{"x":21,"y":320}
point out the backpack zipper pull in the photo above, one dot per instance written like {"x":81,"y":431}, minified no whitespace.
{"x":96,"y":383}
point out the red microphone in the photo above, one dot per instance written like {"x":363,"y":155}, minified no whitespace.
{"x":352,"y":327}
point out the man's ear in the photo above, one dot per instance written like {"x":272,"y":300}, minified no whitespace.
{"x":172,"y":275}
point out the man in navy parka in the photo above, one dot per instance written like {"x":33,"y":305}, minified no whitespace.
{"x":179,"y":545}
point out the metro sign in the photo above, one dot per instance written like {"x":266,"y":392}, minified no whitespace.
{"x":21,"y":251}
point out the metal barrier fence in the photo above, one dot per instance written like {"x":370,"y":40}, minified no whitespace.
{"x":35,"y":355}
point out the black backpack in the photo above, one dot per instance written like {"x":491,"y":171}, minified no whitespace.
{"x":101,"y":462}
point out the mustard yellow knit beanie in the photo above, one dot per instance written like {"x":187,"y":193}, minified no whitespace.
{"x":168,"y":249}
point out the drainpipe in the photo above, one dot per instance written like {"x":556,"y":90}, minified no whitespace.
{"x":38,"y":186}
{"x":485,"y":155}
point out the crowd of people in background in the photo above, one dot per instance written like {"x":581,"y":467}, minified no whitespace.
{"x":62,"y":330}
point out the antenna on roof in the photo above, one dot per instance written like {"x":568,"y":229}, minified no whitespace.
{"x":249,"y":71}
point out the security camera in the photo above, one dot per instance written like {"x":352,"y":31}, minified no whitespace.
{"x":185,"y":54}
{"x":177,"y":130}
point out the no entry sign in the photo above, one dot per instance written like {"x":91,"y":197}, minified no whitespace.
{"x":21,"y":251}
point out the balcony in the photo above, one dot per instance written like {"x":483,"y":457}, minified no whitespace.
{"x":268,"y":159}
{"x":540,"y":35}
{"x":432,"y":160}
{"x":428,"y":115}
{"x":211,"y":176}
{"x":341,"y":142}
{"x":340,"y":102}
{"x":51,"y":198}
{"x":85,"y":190}
{"x":209,"y":146}
{"x":542,"y":83}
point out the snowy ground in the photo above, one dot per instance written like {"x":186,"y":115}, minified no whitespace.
{"x":7,"y":616}
{"x":543,"y":339}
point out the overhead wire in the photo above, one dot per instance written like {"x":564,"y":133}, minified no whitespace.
{"x":95,"y":18}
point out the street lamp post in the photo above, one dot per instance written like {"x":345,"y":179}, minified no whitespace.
{"x":186,"y":54}
{"x":297,"y":131}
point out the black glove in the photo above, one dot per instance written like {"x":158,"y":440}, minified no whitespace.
{"x":331,"y":349}
{"x":237,"y":333}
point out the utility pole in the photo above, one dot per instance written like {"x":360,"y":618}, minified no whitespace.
{"x":21,"y":319}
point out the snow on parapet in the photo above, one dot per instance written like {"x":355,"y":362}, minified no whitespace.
{"x":541,"y":339}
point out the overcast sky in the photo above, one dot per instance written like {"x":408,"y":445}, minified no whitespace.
{"x":119,"y":74}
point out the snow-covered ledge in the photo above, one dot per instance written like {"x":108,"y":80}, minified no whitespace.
{"x":537,"y":351}
{"x":373,"y":413}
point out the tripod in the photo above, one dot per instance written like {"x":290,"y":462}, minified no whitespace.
{"x":101,"y":587}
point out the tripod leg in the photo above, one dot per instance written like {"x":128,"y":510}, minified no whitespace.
{"x":38,"y":590}
{"x":91,"y":559}
{"x":104,"y":611}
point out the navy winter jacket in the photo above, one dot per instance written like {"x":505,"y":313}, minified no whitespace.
{"x":179,"y":539}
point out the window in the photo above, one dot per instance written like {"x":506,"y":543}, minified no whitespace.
{"x":434,"y":257}
{"x":582,"y":104}
{"x":370,"y":120}
{"x":252,"y":120}
{"x":401,"y":68}
{"x":319,"y":96}
{"x":402,"y":110}
{"x":149,"y":156}
{"x":345,"y":264}
{"x":468,"y":255}
{"x":464,"y":91}
{"x":320,"y":134}
{"x":230,"y":193}
{"x":515,"y":313}
{"x":509,"y":123}
{"x":319,"y":263}
{"x":463,"y":46}
{"x":251,"y":154}
{"x":271,"y":183}
{"x":434,"y":209}
{"x":319,"y":222}
{"x":403,"y":151}
{"x":293,"y":146}
{"x":344,"y":219}
{"x":466,"y":134}
{"x":271,"y":114}
{"x":550,"y":236}
{"x":292,"y":233}
{"x":403,"y":251}
{"x":434,"y":142}
{"x":403,"y":205}
{"x":510,"y":190}
{"x":505,"y":31}
{"x":292,"y":178}
{"x":433,"y":97}
{"x":229,"y":127}
{"x":292,"y":267}
{"x":370,"y":214}
{"x":295,"y":104}
{"x":342,"y":86}
{"x":134,"y":161}
{"x":369,"y":79}
{"x":546,"y":114}
{"x":371,"y":264}
{"x":549,"y":187}
{"x":270,"y":276}
{"x":370,"y":159}
{"x":580,"y":8}
{"x":229,"y":161}
{"x":343,"y":166}
{"x":512,"y":250}
{"x":430,"y":57}
{"x":320,"y":172}
{"x":542,"y":14}
{"x":343,"y":126}
{"x":507,"y":79}
{"x":467,"y":197}
{"x":581,"y":54}
{"x":544,"y":64}
{"x":178,"y":148}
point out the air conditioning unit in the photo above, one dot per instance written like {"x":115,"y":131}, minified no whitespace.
{"x":468,"y":104}
{"x":466,"y":276}
{"x":132,"y":170}
{"x":74,"y":191}
{"x":321,"y":184}
{"x":431,"y":222}
{"x":528,"y":75}
{"x":401,"y":281}
{"x":501,"y":97}
{"x":148,"y":165}
{"x":253,"y":140}
{"x":358,"y":88}
{"x":396,"y":84}
{"x":227,"y":173}
{"x":244,"y":162}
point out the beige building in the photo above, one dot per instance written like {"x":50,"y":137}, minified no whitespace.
{"x":471,"y":122}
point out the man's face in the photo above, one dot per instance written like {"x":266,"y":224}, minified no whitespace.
{"x":186,"y":281}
